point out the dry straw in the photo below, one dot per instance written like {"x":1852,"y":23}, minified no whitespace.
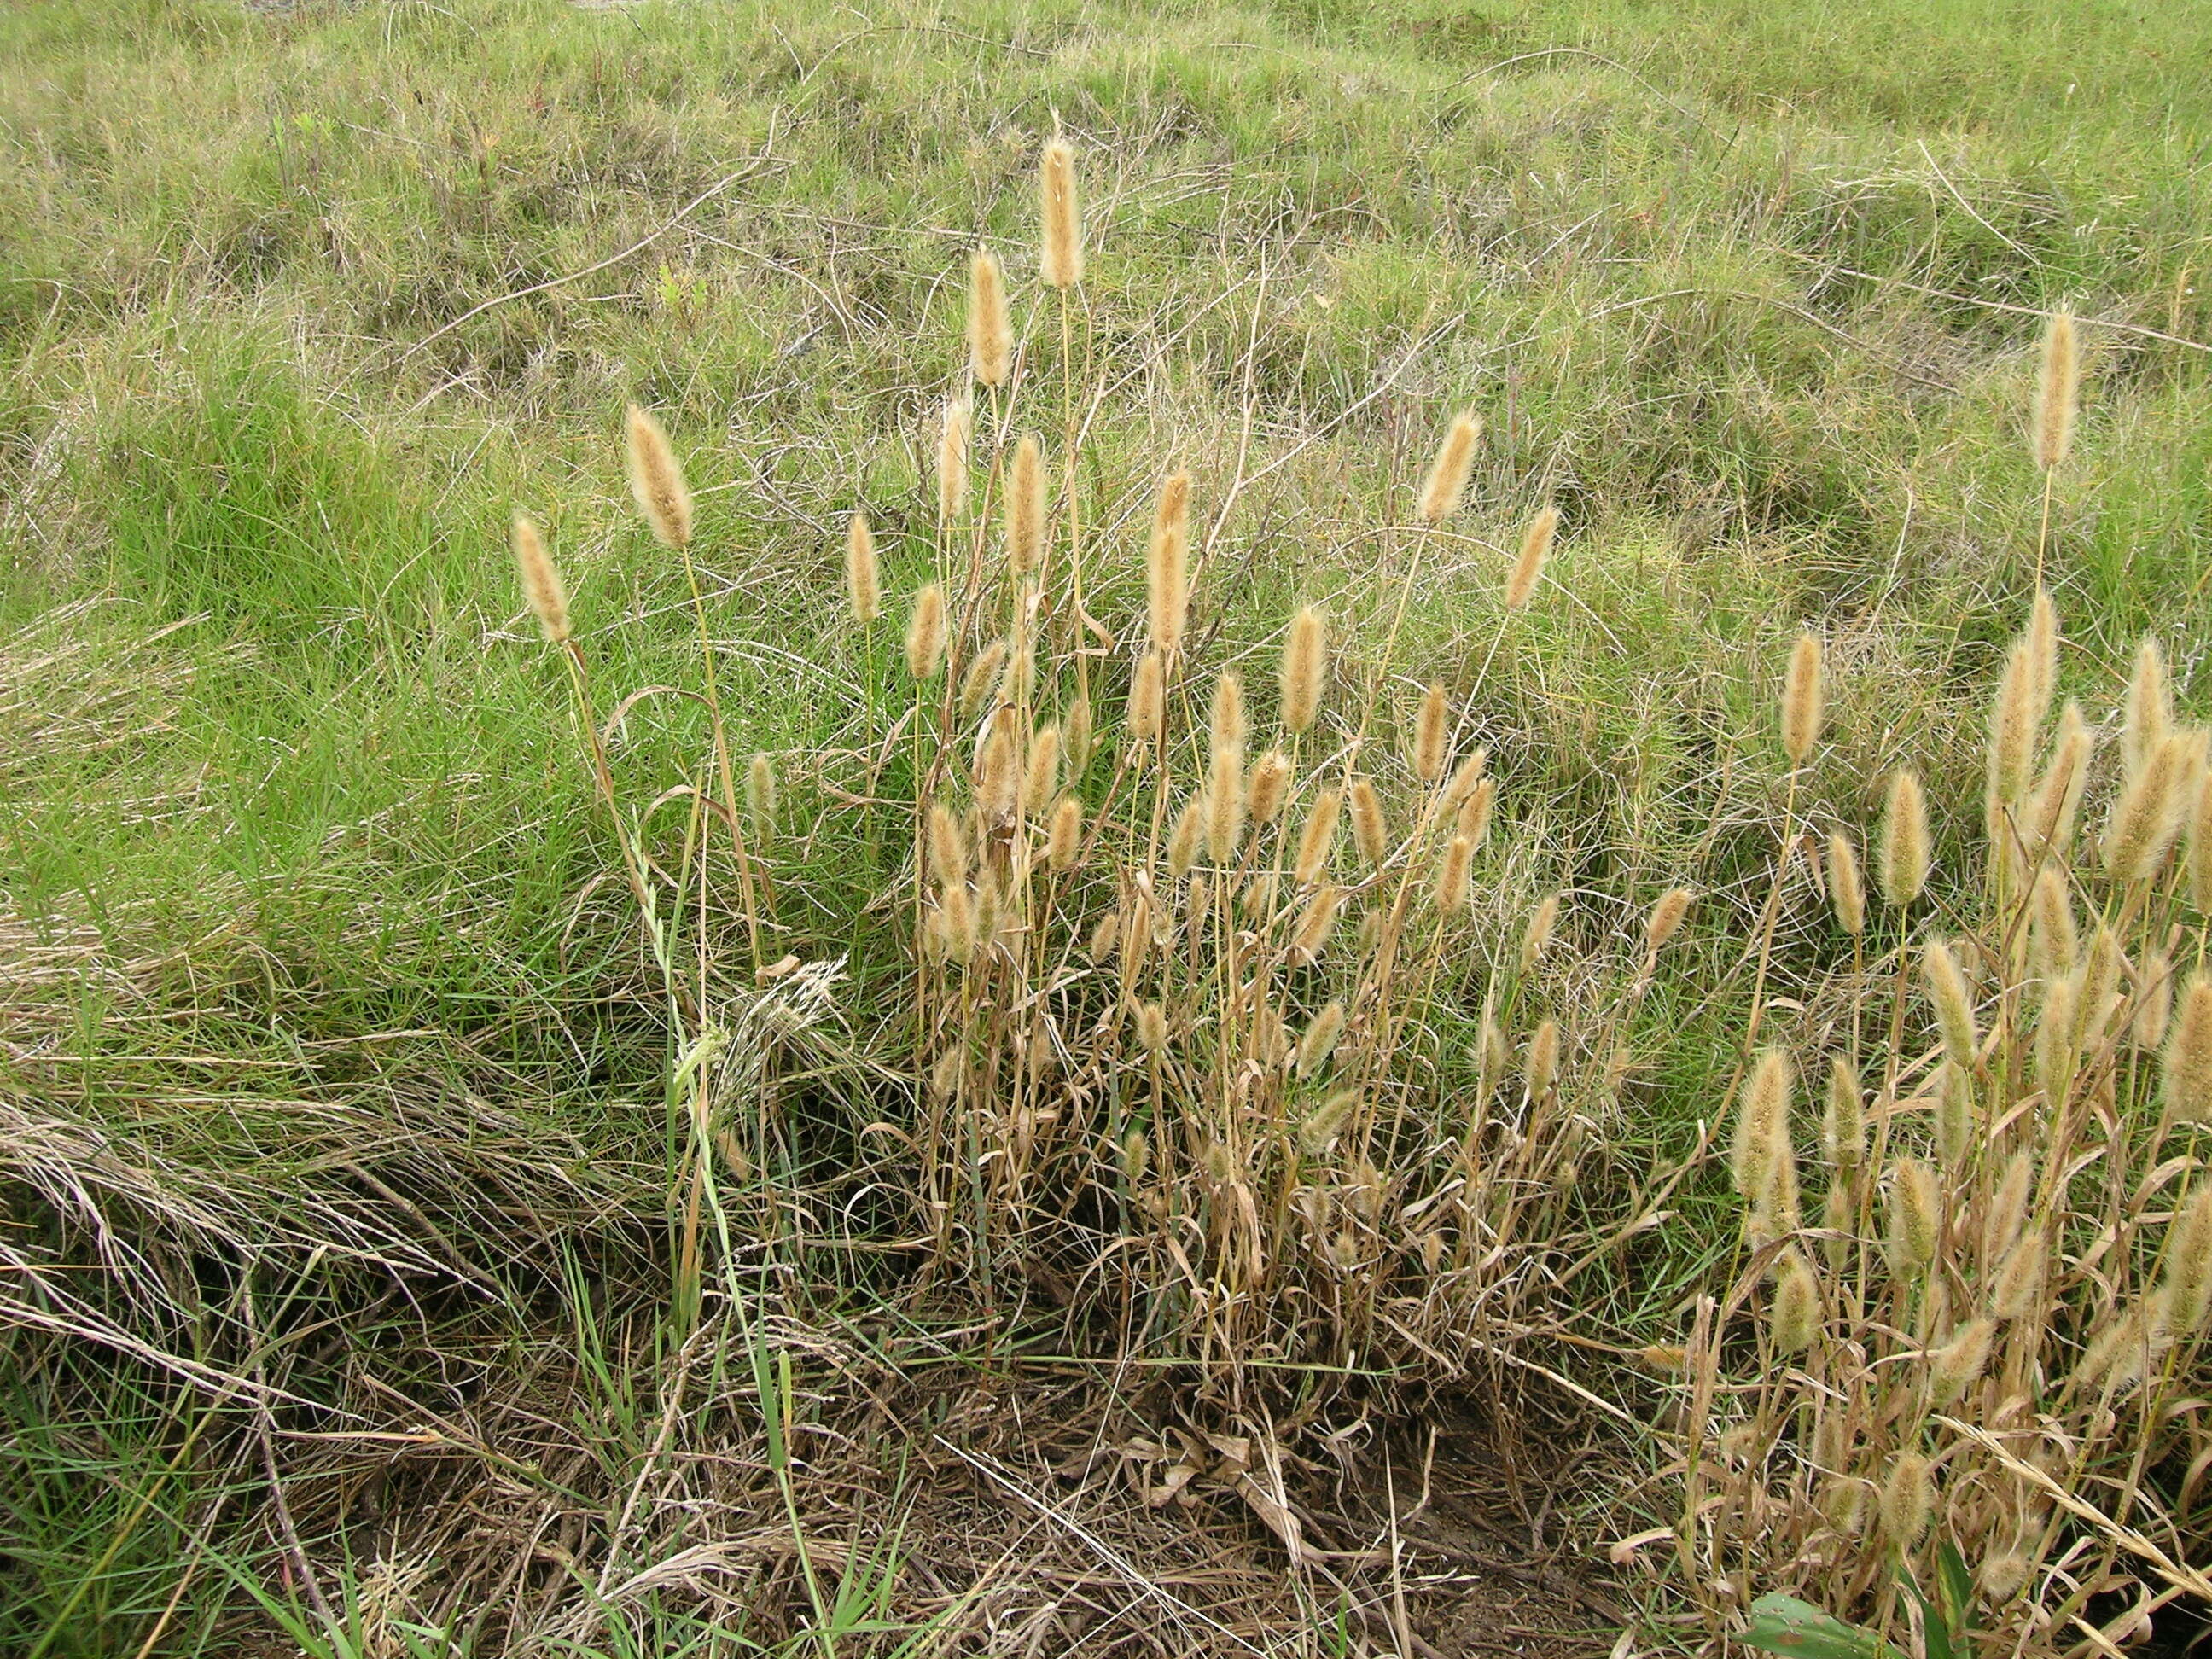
{"x":1529,"y":568}
{"x":1802,"y":699}
{"x":541,"y":583}
{"x":1448,"y":475}
{"x":2057,"y":391}
{"x":990,"y":336}
{"x":657,"y":481}
{"x":863,"y":578}
{"x":1062,"y":237}
{"x":1167,"y":564}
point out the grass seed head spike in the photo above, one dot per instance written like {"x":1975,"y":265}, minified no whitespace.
{"x":657,"y":481}
{"x":1958,"y":1364}
{"x":948,"y":848}
{"x":1903,"y":867}
{"x":1060,"y":237}
{"x":1167,"y":564}
{"x":1803,"y":701}
{"x":760,"y":794}
{"x":2008,"y":1206}
{"x":2148,"y":714}
{"x":1528,"y":566}
{"x":1369,"y":830}
{"x":1666,"y":918}
{"x":1448,"y":474}
{"x":1225,"y":805}
{"x":1953,"y":1004}
{"x":1465,"y":777}
{"x":1270,"y":783}
{"x":1075,"y":737}
{"x":1025,"y":506}
{"x":2057,"y":391}
{"x":1040,"y":781}
{"x":998,"y":771}
{"x":1430,"y":732}
{"x":2016,"y":1292}
{"x":2043,"y":640}
{"x":2148,"y":817}
{"x":1452,"y":883}
{"x":1842,"y":1127}
{"x":864,"y":586}
{"x":2185,"y":1073}
{"x":1915,"y":1211}
{"x":1183,"y":845}
{"x":1794,"y":1316}
{"x":1908,"y":1499}
{"x":1762,"y":1126}
{"x":1020,"y":677}
{"x":2188,"y":1282}
{"x":925,"y":634}
{"x":1105,"y":937}
{"x":1540,"y":1066}
{"x":981,"y":678}
{"x":1955,"y":1116}
{"x":1136,"y":1157}
{"x":1148,"y":697}
{"x":542,"y":588}
{"x":1315,"y":922}
{"x":1226,"y":725}
{"x":2200,"y":850}
{"x":2053,"y":944}
{"x":990,"y":335}
{"x":1318,"y":838}
{"x":1536,"y":937}
{"x":2154,"y":1000}
{"x":1305,"y":667}
{"x":2047,"y":824}
{"x":1845,"y":889}
{"x":1320,"y":1039}
{"x":2012,"y":731}
{"x":1151,"y":1022}
{"x":953,"y":431}
{"x":1472,"y":820}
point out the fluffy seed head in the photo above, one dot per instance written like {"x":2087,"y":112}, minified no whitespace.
{"x":1794,"y":1316}
{"x":2188,"y":1283}
{"x":981,"y":678}
{"x":1224,"y":804}
{"x":1954,"y":1008}
{"x":1061,"y":226}
{"x":1041,"y":780}
{"x":948,"y":848}
{"x":1136,"y":1157}
{"x":1226,"y":724}
{"x":1954,"y":1114}
{"x":1958,"y":1364}
{"x":1465,"y":777}
{"x":2003,"y":1576}
{"x":1803,"y":701}
{"x":1320,"y":1040}
{"x":1305,"y":667}
{"x":1315,"y":922}
{"x":2200,"y":849}
{"x":2057,"y":390}
{"x":1902,"y":866}
{"x":657,"y":480}
{"x":990,"y":335}
{"x":1430,"y":732}
{"x":1908,"y":1498}
{"x":2055,"y":1051}
{"x":925,"y":634}
{"x":1666,"y":918}
{"x":2017,"y":1292}
{"x":2047,"y":822}
{"x":1182,"y":844}
{"x":1541,"y":1064}
{"x":1536,"y":938}
{"x":863,"y":584}
{"x":1472,"y":820}
{"x":1318,"y":1130}
{"x":1453,"y":880}
{"x":2014,"y":717}
{"x":1447,"y":481}
{"x":2186,"y":1073}
{"x":2148,"y":817}
{"x":2007,"y":1211}
{"x":1270,"y":782}
{"x":2154,"y":1001}
{"x":997,"y":775}
{"x":952,"y":434}
{"x":2042,"y":637}
{"x":1148,"y":697}
{"x":1843,"y":1124}
{"x":1915,"y":1212}
{"x":1151,"y":1027}
{"x":1529,"y":568}
{"x":1845,"y":889}
{"x":541,"y":583}
{"x":1025,"y":506}
{"x":2149,"y":709}
{"x":2053,"y":941}
{"x":1368,"y":829}
{"x":1317,"y":840}
{"x":1167,"y":564}
{"x":760,"y":794}
{"x":1762,"y":1128}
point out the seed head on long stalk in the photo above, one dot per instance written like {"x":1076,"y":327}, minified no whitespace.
{"x":1903,"y":867}
{"x":1842,"y":1126}
{"x":1536,"y":938}
{"x":1305,"y":667}
{"x":1061,"y":227}
{"x":1954,"y":1008}
{"x":990,"y":335}
{"x":1845,"y":891}
{"x":2186,"y":1073}
{"x":1915,"y":1216}
{"x":2047,"y":822}
{"x":2148,"y":816}
{"x":1666,"y":918}
{"x":542,"y":589}
{"x":1529,"y":568}
{"x":1025,"y":506}
{"x":952,"y":434}
{"x":1270,"y":782}
{"x":864,"y":586}
{"x":2148,"y":714}
{"x":2188,"y":1282}
{"x":1167,"y":564}
{"x":1453,"y":878}
{"x":1369,"y":830}
{"x":925,"y":634}
{"x":1430,"y":732}
{"x":1448,"y":474}
{"x":657,"y":481}
{"x":1318,"y":838}
{"x":2057,"y":391}
{"x":1802,"y":701}
{"x":1147,"y":698}
{"x":1224,"y":804}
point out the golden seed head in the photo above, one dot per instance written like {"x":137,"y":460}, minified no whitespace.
{"x":2148,"y":816}
{"x":2017,"y":1292}
{"x":2008,"y":1209}
{"x":990,"y":335}
{"x":2014,"y":717}
{"x":1908,"y":1498}
{"x":2185,"y":1075}
{"x":1915,"y":1216}
{"x":657,"y":480}
{"x":2043,"y":637}
{"x":2057,"y":391}
{"x":1493,"y":1055}
{"x":1067,"y":841}
{"x":1954,"y":1007}
{"x":1902,"y":866}
{"x":1430,"y":733}
{"x":2052,"y":942}
{"x":1845,"y":889}
{"x":2154,"y":1000}
{"x":1041,"y":780}
{"x":2047,"y":822}
{"x":1540,"y":1066}
{"x":1075,"y":737}
{"x":1061,"y":228}
{"x":957,"y":923}
{"x":2150,"y":709}
{"x":1954,"y":1114}
{"x":1472,"y":820}
{"x":2003,"y":1576}
{"x":2188,"y":1283}
{"x":1318,"y":837}
{"x":1958,"y":1364}
{"x":1136,"y":1157}
{"x":948,"y":848}
{"x":1454,"y":881}
{"x":1105,"y":937}
{"x":1536,"y":938}
{"x":1320,"y":1039}
{"x":1025,"y":506}
{"x":2200,"y":849}
{"x":2055,"y":1053}
{"x":1151,"y":1027}
{"x":1762,"y":1127}
{"x":1315,"y":922}
{"x":1796,"y":1315}
{"x":1305,"y":667}
{"x":1368,"y":829}
{"x":1183,"y":845}
{"x":952,"y":435}
{"x":541,"y":583}
{"x":1448,"y":475}
{"x":863,"y":584}
{"x":1270,"y":783}
{"x":1020,"y":677}
{"x":1321,"y":1129}
{"x":1148,"y":697}
{"x":925,"y":634}
{"x":1803,"y":701}
{"x":1167,"y":564}
{"x":981,"y":678}
{"x":1529,"y":568}
{"x":1666,"y":918}
{"x":1226,"y":727}
{"x":998,"y":774}
{"x":760,"y":794}
{"x":1842,"y":1127}
{"x":1466,"y":778}
{"x":1225,"y":805}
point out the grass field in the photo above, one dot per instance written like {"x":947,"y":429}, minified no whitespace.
{"x":345,"y":1147}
